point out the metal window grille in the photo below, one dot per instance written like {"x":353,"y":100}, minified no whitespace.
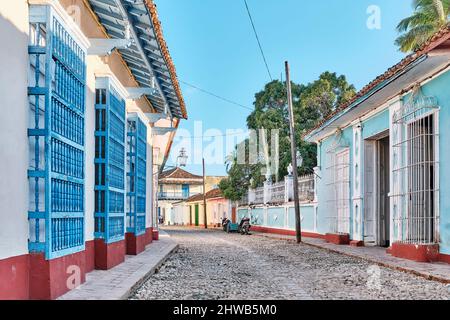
{"x":244,"y":200}
{"x":259,"y":196}
{"x":136,"y":177}
{"x":337,"y":179}
{"x":306,"y":187}
{"x":277,"y":192}
{"x":56,"y":91}
{"x":109,"y":163}
{"x":415,"y":196}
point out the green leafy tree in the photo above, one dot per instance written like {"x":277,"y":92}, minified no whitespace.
{"x":429,"y":16}
{"x":312,"y":103}
{"x":239,"y":175}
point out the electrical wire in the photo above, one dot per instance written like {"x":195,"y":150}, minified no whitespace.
{"x":257,"y":39}
{"x":237,"y":134}
{"x":216,"y":95}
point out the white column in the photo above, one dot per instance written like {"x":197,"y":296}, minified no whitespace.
{"x":396,"y":182}
{"x":317,"y":174}
{"x":251,"y":196}
{"x":289,"y":188}
{"x":267,"y":191}
{"x":357,"y":181}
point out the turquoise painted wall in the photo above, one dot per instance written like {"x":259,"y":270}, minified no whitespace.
{"x":241,"y":213}
{"x":376,"y":124}
{"x":307,"y":212}
{"x":276,"y":217}
{"x":440,"y":88}
{"x":257,"y":217}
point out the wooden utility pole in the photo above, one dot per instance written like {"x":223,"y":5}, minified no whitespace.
{"x":204,"y":195}
{"x":298,"y":227}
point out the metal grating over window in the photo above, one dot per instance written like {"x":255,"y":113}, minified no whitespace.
{"x":56,"y":94}
{"x":136,"y":177}
{"x":109,"y":162}
{"x":337,"y":180}
{"x":415,"y":195}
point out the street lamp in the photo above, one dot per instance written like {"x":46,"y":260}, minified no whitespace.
{"x":299,"y":159}
{"x":182,"y":158}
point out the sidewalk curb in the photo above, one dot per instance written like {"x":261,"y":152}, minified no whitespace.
{"x":151,"y":272}
{"x":122,"y":281}
{"x":379,"y":263}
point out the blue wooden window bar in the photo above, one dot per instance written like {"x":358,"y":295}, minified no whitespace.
{"x":56,"y":94}
{"x":109,"y":162}
{"x":136,"y":176}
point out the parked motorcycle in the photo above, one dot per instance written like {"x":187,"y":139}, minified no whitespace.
{"x":225,"y":222}
{"x":244,"y":227}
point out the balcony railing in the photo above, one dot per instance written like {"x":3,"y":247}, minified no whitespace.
{"x":306,"y":188}
{"x":281,"y":192}
{"x":175,"y":195}
{"x":277,"y":192}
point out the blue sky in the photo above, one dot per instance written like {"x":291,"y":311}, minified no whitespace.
{"x":213,"y":47}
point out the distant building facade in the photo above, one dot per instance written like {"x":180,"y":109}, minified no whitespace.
{"x":191,"y":211}
{"x":177,"y":185}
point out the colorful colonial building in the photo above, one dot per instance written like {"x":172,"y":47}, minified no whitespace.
{"x":177,"y":185}
{"x":191,"y":211}
{"x":90,"y":103}
{"x":383,"y":164}
{"x":383,"y":159}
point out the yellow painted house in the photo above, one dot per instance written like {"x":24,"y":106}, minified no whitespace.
{"x":177,"y":185}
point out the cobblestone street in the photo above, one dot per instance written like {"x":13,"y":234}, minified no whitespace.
{"x":214,"y":265}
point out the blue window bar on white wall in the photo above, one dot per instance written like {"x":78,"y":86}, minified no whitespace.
{"x":56,"y":91}
{"x":109,"y":161}
{"x":136,"y":176}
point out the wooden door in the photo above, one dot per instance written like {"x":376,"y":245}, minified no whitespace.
{"x":369,"y":192}
{"x":197,"y":221}
{"x":233,"y":215}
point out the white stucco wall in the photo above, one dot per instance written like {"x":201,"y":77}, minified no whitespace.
{"x":13,"y":128}
{"x":149,"y":190}
{"x":181,"y":214}
{"x":93,"y":63}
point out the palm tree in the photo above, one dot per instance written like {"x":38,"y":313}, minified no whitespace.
{"x":429,"y":16}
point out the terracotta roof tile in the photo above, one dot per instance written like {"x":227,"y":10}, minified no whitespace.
{"x":197,"y":197}
{"x":190,"y":182}
{"x":437,"y":39}
{"x":163,"y":45}
{"x":178,"y":173}
{"x":212,"y":194}
{"x":162,"y":42}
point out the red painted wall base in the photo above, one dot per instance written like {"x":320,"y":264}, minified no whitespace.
{"x":357,"y":243}
{"x":135,"y":244}
{"x":14,"y":281}
{"x":148,"y":236}
{"x":339,"y":239}
{"x":420,"y":253}
{"x":155,"y":235}
{"x":108,"y":256}
{"x":444,"y":258}
{"x":50,"y":279}
{"x":285,"y":232}
{"x":90,"y":255}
